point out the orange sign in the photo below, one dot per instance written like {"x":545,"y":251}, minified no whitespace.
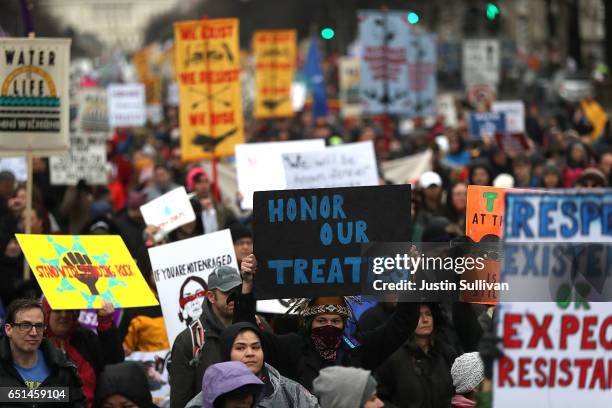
{"x":275,"y":55}
{"x":208,"y":73}
{"x":484,"y":223}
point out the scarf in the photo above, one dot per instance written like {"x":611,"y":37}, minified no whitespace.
{"x":326,"y":341}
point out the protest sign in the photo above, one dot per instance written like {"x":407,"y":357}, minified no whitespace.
{"x":92,"y":110}
{"x":407,"y":169}
{"x":512,"y":143}
{"x":481,"y":62}
{"x":155,"y":366}
{"x":479,"y":94}
{"x":349,"y":78}
{"x":260,"y":165}
{"x":169,"y":211}
{"x":308,"y":242}
{"x":563,"y":215}
{"x":347,"y":165}
{"x":515,"y":114}
{"x":558,"y":243}
{"x":77,"y":272}
{"x":275,"y":58}
{"x":555,"y":355}
{"x":487,"y":124}
{"x":86,"y":160}
{"x":181,"y":272}
{"x":34,"y":105}
{"x":385,"y":41}
{"x":422,"y":74}
{"x":126,"y":105}
{"x":484,"y":222}
{"x":446,"y":108}
{"x":16,"y":165}
{"x":208,"y":73}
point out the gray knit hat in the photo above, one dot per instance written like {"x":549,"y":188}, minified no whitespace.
{"x":467,"y":372}
{"x":343,"y":387}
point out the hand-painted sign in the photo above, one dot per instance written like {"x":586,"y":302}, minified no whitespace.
{"x":77,"y":272}
{"x":208,"y":74}
{"x":169,"y":211}
{"x":308,"y":242}
{"x":34,"y":106}
{"x":275,"y":58}
{"x":86,"y":159}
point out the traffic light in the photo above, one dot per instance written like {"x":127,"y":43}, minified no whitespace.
{"x":327,"y":33}
{"x":413,"y":17}
{"x":492,"y":11}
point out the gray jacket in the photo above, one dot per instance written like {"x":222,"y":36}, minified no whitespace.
{"x":282,"y":393}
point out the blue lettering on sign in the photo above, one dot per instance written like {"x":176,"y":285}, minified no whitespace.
{"x":546,"y":220}
{"x":325,"y":208}
{"x":522,"y":211}
{"x":569,"y":209}
{"x":318,"y":270}
{"x":589,"y":211}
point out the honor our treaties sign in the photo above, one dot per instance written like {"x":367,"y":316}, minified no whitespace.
{"x":34,"y":106}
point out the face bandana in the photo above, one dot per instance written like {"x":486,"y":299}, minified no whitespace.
{"x":326,"y":341}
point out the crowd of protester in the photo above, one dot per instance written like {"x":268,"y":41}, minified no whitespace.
{"x":408,"y":355}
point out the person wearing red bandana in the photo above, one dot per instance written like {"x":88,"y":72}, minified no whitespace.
{"x":321,"y":341}
{"x":89,"y":351}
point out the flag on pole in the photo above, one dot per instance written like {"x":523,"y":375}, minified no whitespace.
{"x":315,"y":79}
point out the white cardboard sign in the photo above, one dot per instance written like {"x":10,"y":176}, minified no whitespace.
{"x":169,"y":211}
{"x":126,"y":105}
{"x":260,"y":166}
{"x":515,"y":114}
{"x":86,"y":159}
{"x":348,"y":165}
{"x":181,"y":272}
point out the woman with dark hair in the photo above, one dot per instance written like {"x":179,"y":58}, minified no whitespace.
{"x":576,"y":160}
{"x":480,"y":173}
{"x":243,"y":342}
{"x":418,"y":373}
{"x":552,"y":177}
{"x":456,"y":203}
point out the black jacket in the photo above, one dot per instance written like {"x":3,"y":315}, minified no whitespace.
{"x":99,"y":350}
{"x":295,"y":357}
{"x":185,"y":372}
{"x":412,"y":379}
{"x":62,"y":374}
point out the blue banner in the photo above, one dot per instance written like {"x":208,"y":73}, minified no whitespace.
{"x":487,"y":124}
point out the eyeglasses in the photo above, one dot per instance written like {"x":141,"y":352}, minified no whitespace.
{"x":27,"y":326}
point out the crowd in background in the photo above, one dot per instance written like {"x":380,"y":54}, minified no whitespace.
{"x":564,"y":150}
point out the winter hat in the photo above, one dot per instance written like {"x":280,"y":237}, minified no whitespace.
{"x":126,"y":379}
{"x":343,"y":387}
{"x":504,"y":180}
{"x":192,"y":174}
{"x":467,"y":372}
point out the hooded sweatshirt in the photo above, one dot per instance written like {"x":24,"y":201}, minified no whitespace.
{"x":126,"y":379}
{"x":223,"y":378}
{"x":341,"y":387}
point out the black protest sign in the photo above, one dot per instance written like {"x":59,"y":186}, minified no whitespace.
{"x":308,"y":242}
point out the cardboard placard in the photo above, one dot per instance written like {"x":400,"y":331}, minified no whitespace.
{"x":78,"y":271}
{"x":181,"y":272}
{"x":308,"y":242}
{"x":86,"y":159}
{"x":208,"y":73}
{"x":34,"y":100}
{"x":126,"y":105}
{"x":346,"y":165}
{"x":169,"y":211}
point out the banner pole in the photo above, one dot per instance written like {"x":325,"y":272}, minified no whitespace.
{"x":28,"y":211}
{"x":216,"y":194}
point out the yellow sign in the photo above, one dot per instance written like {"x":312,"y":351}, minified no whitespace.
{"x":77,"y":272}
{"x":144,"y":61}
{"x":275,"y":57}
{"x":596,"y":115}
{"x":208,"y":73}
